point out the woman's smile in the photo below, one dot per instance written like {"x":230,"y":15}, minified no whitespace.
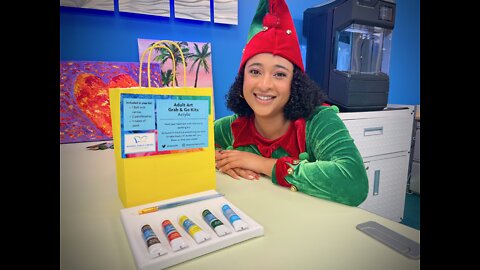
{"x":266,"y":99}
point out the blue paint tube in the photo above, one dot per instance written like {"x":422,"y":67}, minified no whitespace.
{"x":237,"y":223}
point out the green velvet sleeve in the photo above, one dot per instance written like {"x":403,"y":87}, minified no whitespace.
{"x":334,"y":169}
{"x":223,"y":132}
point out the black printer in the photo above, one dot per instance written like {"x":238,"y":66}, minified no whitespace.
{"x":348,"y":51}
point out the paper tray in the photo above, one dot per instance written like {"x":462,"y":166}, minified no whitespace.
{"x":132,"y":223}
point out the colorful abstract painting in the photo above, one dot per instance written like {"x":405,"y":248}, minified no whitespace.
{"x":84,"y":101}
{"x":193,"y":9}
{"x":225,"y":11}
{"x":198,"y":60}
{"x":93,"y":4}
{"x":149,"y":7}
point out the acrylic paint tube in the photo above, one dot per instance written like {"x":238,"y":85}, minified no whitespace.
{"x":153,"y":244}
{"x":193,"y":230}
{"x":173,"y":236}
{"x":233,"y":218}
{"x":218,"y":226}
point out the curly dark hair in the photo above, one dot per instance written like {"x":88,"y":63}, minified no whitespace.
{"x":305,"y":96}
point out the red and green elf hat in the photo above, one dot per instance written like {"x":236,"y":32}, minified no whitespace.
{"x":273,"y":31}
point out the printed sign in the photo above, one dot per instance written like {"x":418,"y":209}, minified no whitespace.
{"x":182,"y":124}
{"x":161,"y":124}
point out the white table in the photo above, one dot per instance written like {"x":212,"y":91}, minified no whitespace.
{"x":301,"y":231}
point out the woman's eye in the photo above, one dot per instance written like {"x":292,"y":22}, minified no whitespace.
{"x":254,"y":72}
{"x":280,"y":74}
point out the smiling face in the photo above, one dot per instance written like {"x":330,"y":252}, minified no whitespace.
{"x":266,"y":85}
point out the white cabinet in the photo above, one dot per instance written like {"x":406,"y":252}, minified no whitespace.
{"x":384,"y":139}
{"x":415,"y":161}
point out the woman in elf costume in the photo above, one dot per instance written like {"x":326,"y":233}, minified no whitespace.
{"x":281,"y":127}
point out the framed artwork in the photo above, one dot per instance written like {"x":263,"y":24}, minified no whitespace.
{"x":193,"y":9}
{"x":197,"y":57}
{"x":149,"y":7}
{"x":225,"y":11}
{"x":93,"y":4}
{"x":84,"y":101}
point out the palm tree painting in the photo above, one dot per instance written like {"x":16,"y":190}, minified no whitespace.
{"x":167,"y":77}
{"x":200,"y":58}
{"x":198,"y":62}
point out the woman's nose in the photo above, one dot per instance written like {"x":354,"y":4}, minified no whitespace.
{"x":267,"y":82}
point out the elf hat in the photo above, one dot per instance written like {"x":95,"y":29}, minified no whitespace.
{"x":273,"y":31}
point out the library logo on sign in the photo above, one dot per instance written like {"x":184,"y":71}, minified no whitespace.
{"x":135,"y":143}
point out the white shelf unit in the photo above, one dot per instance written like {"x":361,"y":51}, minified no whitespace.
{"x":384,"y":140}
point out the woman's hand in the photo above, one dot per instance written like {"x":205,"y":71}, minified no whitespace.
{"x":226,"y":160}
{"x":237,"y":172}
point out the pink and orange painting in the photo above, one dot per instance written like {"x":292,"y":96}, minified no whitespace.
{"x":84,"y":101}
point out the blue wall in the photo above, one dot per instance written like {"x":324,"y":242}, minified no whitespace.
{"x":94,"y":35}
